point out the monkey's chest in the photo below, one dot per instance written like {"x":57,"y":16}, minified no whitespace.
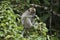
{"x":27,"y":23}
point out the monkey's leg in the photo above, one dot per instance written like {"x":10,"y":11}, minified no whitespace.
{"x":25,"y":33}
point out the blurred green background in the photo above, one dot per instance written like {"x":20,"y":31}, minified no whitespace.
{"x":48,"y":21}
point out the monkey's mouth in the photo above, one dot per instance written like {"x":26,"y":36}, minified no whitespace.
{"x":32,"y":12}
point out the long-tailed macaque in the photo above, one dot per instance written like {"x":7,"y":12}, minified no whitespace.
{"x":27,"y":17}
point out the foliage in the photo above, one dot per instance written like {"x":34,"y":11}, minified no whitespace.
{"x":10,"y":21}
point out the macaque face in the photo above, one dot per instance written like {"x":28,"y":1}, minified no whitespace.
{"x":32,"y":11}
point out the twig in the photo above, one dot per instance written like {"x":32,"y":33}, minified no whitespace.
{"x":35,"y":5}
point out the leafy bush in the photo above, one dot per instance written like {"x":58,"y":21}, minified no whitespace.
{"x":11,"y":27}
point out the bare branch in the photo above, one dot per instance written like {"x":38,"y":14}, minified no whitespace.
{"x":56,"y":14}
{"x":35,"y":5}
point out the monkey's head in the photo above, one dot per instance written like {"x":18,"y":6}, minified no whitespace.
{"x":32,"y":10}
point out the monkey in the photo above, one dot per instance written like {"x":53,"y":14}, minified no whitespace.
{"x":27,"y":18}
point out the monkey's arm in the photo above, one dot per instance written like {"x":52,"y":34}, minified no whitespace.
{"x":22,"y":20}
{"x":29,"y":22}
